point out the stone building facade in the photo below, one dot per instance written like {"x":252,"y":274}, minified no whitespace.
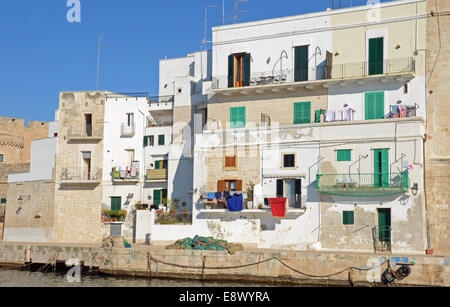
{"x":437,"y":145}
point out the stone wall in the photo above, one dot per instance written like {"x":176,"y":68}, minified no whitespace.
{"x":437,"y":146}
{"x":78,"y":205}
{"x":30,"y":220}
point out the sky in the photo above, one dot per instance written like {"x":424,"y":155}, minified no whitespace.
{"x":42,"y":53}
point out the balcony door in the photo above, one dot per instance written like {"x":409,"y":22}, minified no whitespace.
{"x":292,"y":190}
{"x":381,"y":167}
{"x":86,"y":165}
{"x":384,"y":225}
{"x":301,"y":64}
{"x":239,"y":70}
{"x":130,"y":119}
{"x":88,"y":124}
{"x":376,"y":56}
{"x":129,"y":157}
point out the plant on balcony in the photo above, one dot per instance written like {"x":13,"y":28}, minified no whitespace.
{"x":115,"y":215}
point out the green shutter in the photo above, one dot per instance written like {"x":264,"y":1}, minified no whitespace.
{"x":302,"y":112}
{"x":156,"y":197}
{"x":381,"y":167}
{"x":161,"y":140}
{"x":374,"y":105}
{"x":116,"y":203}
{"x":247,"y":72}
{"x":237,"y":117}
{"x":231,"y":70}
{"x":348,"y":217}
{"x":145,"y":141}
{"x":384,"y":224}
{"x":301,"y":64}
{"x":344,"y":155}
{"x":317,"y":116}
{"x":376,"y":56}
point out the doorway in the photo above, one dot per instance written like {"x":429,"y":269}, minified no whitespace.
{"x":384,"y":227}
{"x":86,"y":167}
{"x":88,"y":124}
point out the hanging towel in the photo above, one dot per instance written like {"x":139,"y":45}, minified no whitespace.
{"x":133,"y":172}
{"x":218,"y":195}
{"x":330,"y":116}
{"x":403,"y":111}
{"x":278,"y":206}
{"x":211,"y":195}
{"x":394,"y":111}
{"x":345,"y":114}
{"x":116,"y":173}
{"x":235,"y":203}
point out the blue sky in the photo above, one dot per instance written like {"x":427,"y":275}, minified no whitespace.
{"x":42,"y":54}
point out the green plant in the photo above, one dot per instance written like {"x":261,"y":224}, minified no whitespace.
{"x":260,"y":206}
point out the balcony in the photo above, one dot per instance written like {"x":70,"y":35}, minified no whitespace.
{"x":151,"y":122}
{"x":363,"y":185}
{"x":159,"y":103}
{"x":157,"y":175}
{"x":88,"y":134}
{"x":128,"y":130}
{"x":125,"y":175}
{"x":77,"y":176}
{"x":397,"y":70}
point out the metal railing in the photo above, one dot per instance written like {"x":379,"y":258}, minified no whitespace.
{"x":157,"y":174}
{"x":151,"y":122}
{"x":382,"y":238}
{"x":321,"y":72}
{"x":169,"y":99}
{"x":363,"y":181}
{"x":79,"y":174}
{"x":126,"y":130}
{"x":85,"y":133}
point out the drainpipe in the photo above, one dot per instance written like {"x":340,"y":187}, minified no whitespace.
{"x":143,"y":156}
{"x":425,"y":195}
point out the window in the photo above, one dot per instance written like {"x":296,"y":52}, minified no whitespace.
{"x":162,"y":164}
{"x":302,"y":113}
{"x":288,"y":160}
{"x":1,"y":158}
{"x":237,"y":117}
{"x":239,"y":70}
{"x":152,"y":140}
{"x":344,"y":155}
{"x":405,"y":88}
{"x":160,"y":140}
{"x":116,"y":203}
{"x":230,"y":161}
{"x":291,"y":189}
{"x":130,"y":119}
{"x":374,"y":105}
{"x":348,"y":217}
{"x":3,"y":201}
{"x":229,"y":185}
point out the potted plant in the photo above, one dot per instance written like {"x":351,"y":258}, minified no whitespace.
{"x":260,"y":206}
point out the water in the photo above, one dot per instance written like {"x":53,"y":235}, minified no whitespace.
{"x":23,"y":278}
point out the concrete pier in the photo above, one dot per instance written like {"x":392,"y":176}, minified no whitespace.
{"x":267,"y":266}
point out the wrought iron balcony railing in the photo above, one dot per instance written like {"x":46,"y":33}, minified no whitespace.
{"x":87,"y":133}
{"x":367,"y":184}
{"x":79,"y":175}
{"x":128,"y":130}
{"x":321,"y":72}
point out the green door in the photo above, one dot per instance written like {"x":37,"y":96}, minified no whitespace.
{"x":116,"y":203}
{"x":374,"y":105}
{"x":301,"y":64}
{"x":384,"y":225}
{"x":376,"y":56}
{"x":156,"y":197}
{"x":381,"y":168}
{"x":302,"y":112}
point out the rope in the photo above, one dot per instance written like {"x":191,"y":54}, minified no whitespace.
{"x":203,"y":267}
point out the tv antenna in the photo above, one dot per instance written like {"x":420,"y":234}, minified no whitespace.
{"x":205,"y":41}
{"x":237,"y":11}
{"x":99,"y":45}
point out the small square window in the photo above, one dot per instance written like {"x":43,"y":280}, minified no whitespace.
{"x":344,"y":155}
{"x":1,"y":158}
{"x":230,"y":161}
{"x":289,"y":160}
{"x":3,"y":201}
{"x":348,"y":217}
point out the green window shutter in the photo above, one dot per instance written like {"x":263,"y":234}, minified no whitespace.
{"x":237,"y":117}
{"x":247,"y":72}
{"x":374,"y":105}
{"x":317,"y":116}
{"x":164,"y":193}
{"x":157,"y":165}
{"x":116,"y":203}
{"x":301,"y":63}
{"x":381,"y":167}
{"x":344,"y":155}
{"x":302,"y":112}
{"x":376,"y":56}
{"x":348,"y":217}
{"x":3,"y":201}
{"x":161,"y":140}
{"x":231,"y":70}
{"x":145,"y":141}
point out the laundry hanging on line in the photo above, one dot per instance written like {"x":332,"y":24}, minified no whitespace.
{"x":278,"y":206}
